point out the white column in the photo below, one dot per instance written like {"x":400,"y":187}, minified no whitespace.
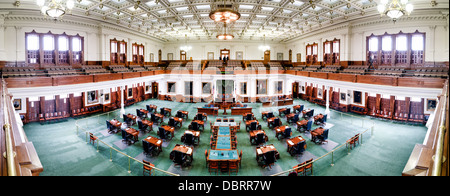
{"x":122,"y":102}
{"x":327,"y":110}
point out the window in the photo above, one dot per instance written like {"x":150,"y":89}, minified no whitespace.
{"x":331,"y":52}
{"x":63,"y":43}
{"x":336,"y":47}
{"x":386,"y":43}
{"x":49,"y":43}
{"x":33,"y":42}
{"x":407,"y":49}
{"x":138,"y":53}
{"x":118,"y":51}
{"x":76,"y":44}
{"x":52,"y":49}
{"x":401,"y":43}
{"x":327,"y":47}
{"x":373,"y":44}
{"x":417,"y":42}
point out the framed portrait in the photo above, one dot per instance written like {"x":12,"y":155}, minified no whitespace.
{"x":343,"y":96}
{"x":210,"y":55}
{"x":261,"y":87}
{"x":243,"y":88}
{"x":92,"y":97}
{"x":206,"y":88}
{"x":319,"y":93}
{"x":239,"y":55}
{"x":130,"y":93}
{"x":279,"y":56}
{"x":431,"y":104}
{"x":17,"y":104}
{"x":278,"y":87}
{"x":106,"y":97}
{"x":357,"y":97}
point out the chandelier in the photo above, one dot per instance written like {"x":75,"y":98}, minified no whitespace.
{"x":225,"y":35}
{"x":395,"y":8}
{"x":224,"y":14}
{"x":264,"y":47}
{"x":55,"y":8}
{"x":185,"y":47}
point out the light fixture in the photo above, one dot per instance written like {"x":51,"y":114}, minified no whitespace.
{"x":185,"y":47}
{"x":395,"y":8}
{"x":224,"y":14}
{"x":55,"y":8}
{"x":264,"y":47}
{"x":225,"y":35}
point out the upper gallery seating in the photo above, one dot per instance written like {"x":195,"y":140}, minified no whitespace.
{"x":60,"y":70}
{"x":215,"y":63}
{"x":431,"y":71}
{"x":356,"y":69}
{"x":312,"y":68}
{"x":119,"y":68}
{"x":299,"y":67}
{"x":93,"y":69}
{"x":389,"y":70}
{"x":276,"y":65}
{"x":234,"y":64}
{"x":194,"y":65}
{"x":257,"y":65}
{"x":331,"y":68}
{"x":174,"y":65}
{"x":136,"y":68}
{"x":151,"y":68}
{"x":21,"y":72}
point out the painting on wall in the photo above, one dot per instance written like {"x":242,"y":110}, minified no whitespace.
{"x":261,"y":87}
{"x":279,"y":87}
{"x":92,"y":97}
{"x":239,"y":55}
{"x":431,"y":105}
{"x":17,"y":103}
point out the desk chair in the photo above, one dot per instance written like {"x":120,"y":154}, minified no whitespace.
{"x":249,"y":117}
{"x":294,"y":119}
{"x":309,"y":166}
{"x":140,"y":114}
{"x":126,"y":137}
{"x":92,"y":138}
{"x":254,"y":126}
{"x":149,"y":109}
{"x":194,"y":126}
{"x":127,"y":120}
{"x":276,"y":122}
{"x":269,"y":159}
{"x":299,"y":109}
{"x":163,"y":134}
{"x":173,"y":123}
{"x":142,"y":127}
{"x":147,"y":169}
{"x":213,"y":166}
{"x":286,"y":134}
{"x":297,"y":149}
{"x":188,"y":139}
{"x":320,"y":139}
{"x":233,"y":167}
{"x":260,"y":139}
{"x":109,"y":126}
{"x":155,"y":119}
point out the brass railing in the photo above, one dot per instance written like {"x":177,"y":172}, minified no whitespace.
{"x":438,"y":157}
{"x":9,"y":154}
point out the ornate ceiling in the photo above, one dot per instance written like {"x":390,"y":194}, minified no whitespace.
{"x":172,"y":20}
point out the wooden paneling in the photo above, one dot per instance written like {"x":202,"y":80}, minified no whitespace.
{"x":66,"y":80}
{"x":380,"y":80}
{"x":342,"y":77}
{"x":322,"y":75}
{"x":421,"y":82}
{"x":131,"y":75}
{"x":29,"y":82}
{"x":107,"y":77}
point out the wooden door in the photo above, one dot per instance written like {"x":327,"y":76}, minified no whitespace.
{"x":267,"y":56}
{"x":155,"y":90}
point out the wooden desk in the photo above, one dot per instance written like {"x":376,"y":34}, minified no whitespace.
{"x":240,"y":111}
{"x":254,"y":133}
{"x":145,"y":112}
{"x":115,"y":123}
{"x":318,"y":118}
{"x":152,"y":141}
{"x":152,"y":108}
{"x":249,"y":122}
{"x":184,"y":150}
{"x":280,"y":130}
{"x":195,"y":134}
{"x":209,"y":111}
{"x":297,"y":108}
{"x":271,"y":120}
{"x":317,"y":132}
{"x":133,"y":132}
{"x":169,"y":129}
{"x":302,"y":124}
{"x":294,"y":142}
{"x":132,"y":117}
{"x":261,"y":151}
{"x":148,"y":123}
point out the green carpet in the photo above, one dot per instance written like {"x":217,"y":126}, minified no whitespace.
{"x":63,"y":152}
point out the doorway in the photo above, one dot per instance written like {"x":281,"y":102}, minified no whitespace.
{"x":224,"y":54}
{"x":267,"y":56}
{"x":155,"y":90}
